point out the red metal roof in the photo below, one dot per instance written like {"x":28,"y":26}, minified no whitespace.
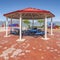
{"x":30,"y":10}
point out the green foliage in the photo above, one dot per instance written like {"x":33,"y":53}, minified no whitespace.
{"x":41,"y":21}
{"x":26,"y":22}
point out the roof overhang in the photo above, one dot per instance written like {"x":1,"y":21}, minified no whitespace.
{"x":30,"y":13}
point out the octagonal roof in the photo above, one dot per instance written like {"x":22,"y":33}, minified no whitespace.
{"x":29,"y":13}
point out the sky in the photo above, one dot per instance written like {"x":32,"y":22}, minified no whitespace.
{"x":7,"y":6}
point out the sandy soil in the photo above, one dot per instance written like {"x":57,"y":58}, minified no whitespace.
{"x":33,"y":48}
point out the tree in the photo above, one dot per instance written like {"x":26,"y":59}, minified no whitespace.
{"x":27,"y":22}
{"x":40,"y":21}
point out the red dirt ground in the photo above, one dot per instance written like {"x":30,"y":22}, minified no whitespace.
{"x":33,"y":48}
